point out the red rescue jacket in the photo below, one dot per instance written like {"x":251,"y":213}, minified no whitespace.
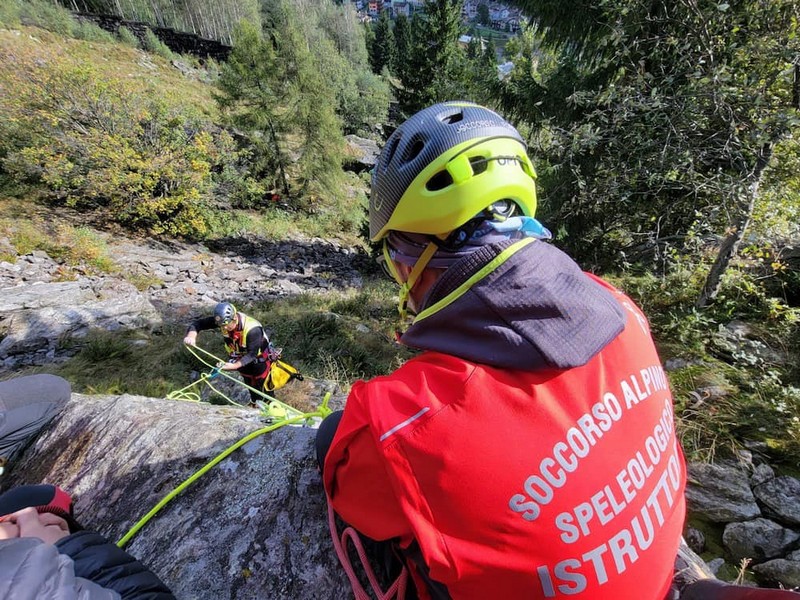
{"x":535,"y":484}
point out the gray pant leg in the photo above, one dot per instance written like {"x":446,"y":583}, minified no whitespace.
{"x":26,"y":405}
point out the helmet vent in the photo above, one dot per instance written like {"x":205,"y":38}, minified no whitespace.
{"x":415,"y":147}
{"x":454,"y":118}
{"x":391,"y":149}
{"x":441,"y":180}
{"x":478,"y":164}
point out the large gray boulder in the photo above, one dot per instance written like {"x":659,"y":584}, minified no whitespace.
{"x":254,"y":526}
{"x":758,"y":539}
{"x":720,"y":493}
{"x":362,"y":152}
{"x":780,"y":497}
{"x":35,"y":318}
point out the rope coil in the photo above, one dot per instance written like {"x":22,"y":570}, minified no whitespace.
{"x":271,"y":407}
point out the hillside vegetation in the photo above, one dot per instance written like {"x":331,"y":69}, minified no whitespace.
{"x":669,"y":163}
{"x":120,"y":133}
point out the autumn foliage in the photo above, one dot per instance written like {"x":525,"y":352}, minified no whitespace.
{"x":106,"y":140}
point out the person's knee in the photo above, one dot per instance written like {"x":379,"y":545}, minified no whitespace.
{"x":327,"y":429}
{"x":27,"y":404}
{"x":35,"y":389}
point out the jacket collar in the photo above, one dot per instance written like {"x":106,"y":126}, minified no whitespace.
{"x":519,"y":305}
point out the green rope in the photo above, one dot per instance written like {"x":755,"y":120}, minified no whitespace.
{"x":273,"y":408}
{"x":321,"y":412}
{"x":182,"y":394}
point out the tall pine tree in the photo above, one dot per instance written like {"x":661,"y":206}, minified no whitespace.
{"x":662,"y":119}
{"x":432,"y":70}
{"x":382,"y":49}
{"x":309,"y":106}
{"x":403,"y":42}
{"x":251,"y":96}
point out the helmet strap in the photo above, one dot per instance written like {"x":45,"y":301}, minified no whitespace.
{"x":408,"y":285}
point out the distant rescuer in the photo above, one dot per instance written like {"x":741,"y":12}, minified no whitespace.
{"x":530,"y":450}
{"x":246,"y":343}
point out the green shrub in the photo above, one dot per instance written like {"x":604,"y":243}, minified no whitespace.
{"x":761,"y":387}
{"x":26,"y":237}
{"x":156,"y":46}
{"x":99,"y":347}
{"x":143,"y":281}
{"x":10,"y":13}
{"x":343,"y":215}
{"x":87,"y":247}
{"x":52,"y":17}
{"x":127,"y":37}
{"x":47,"y":15}
{"x":72,"y":246}
{"x":85,"y":30}
{"x":95,"y":142}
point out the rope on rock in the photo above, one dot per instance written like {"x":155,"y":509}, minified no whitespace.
{"x":306,"y":418}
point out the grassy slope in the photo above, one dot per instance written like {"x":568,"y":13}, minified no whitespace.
{"x":147,"y":72}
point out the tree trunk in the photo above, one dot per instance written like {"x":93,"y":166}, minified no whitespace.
{"x":281,"y":170}
{"x":730,"y":244}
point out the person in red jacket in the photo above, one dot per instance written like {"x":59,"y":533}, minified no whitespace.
{"x":529,"y":451}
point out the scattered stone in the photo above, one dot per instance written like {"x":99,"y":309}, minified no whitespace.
{"x":715,"y":564}
{"x":761,"y":474}
{"x":695,"y":539}
{"x":780,"y":497}
{"x":720,"y":493}
{"x":781,"y":571}
{"x":758,"y":539}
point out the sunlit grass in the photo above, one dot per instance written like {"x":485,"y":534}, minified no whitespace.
{"x":74,"y":247}
{"x":758,"y":402}
{"x":337,"y":337}
{"x":144,"y":72}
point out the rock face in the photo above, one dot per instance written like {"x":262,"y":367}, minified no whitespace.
{"x":254,"y":526}
{"x":363,"y":153}
{"x":36,"y":318}
{"x":740,"y":494}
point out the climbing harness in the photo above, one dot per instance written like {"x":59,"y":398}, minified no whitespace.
{"x":299,"y":418}
{"x":270,"y":407}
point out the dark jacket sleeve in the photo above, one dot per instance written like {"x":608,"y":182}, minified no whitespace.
{"x":202,"y":324}
{"x":102,"y":562}
{"x":256,"y":340}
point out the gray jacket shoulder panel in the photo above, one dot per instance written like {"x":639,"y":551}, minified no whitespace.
{"x":31,"y":570}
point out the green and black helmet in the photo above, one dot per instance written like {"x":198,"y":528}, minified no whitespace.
{"x":445,"y":165}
